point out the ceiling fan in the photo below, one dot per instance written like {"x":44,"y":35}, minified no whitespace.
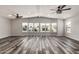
{"x":60,"y":9}
{"x":17,"y":15}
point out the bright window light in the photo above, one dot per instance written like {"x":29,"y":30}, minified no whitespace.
{"x":24,"y":27}
{"x":30,"y":27}
{"x":68,"y":27}
{"x":54,"y":27}
{"x":39,"y":27}
{"x":36,"y":27}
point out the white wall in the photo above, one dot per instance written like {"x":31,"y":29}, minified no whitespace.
{"x":17,"y":25}
{"x":74,"y":27}
{"x":60,"y":27}
{"x":5,"y":30}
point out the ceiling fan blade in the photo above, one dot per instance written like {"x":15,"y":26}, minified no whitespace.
{"x":18,"y":16}
{"x":66,"y":9}
{"x":59,"y":6}
{"x":63,"y":6}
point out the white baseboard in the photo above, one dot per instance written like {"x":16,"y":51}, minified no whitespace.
{"x":72,"y":38}
{"x":4,"y":37}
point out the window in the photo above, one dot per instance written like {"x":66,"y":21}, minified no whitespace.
{"x":36,"y":27}
{"x":53,"y":27}
{"x":42,"y":27}
{"x":25,"y":27}
{"x":47,"y":27}
{"x":39,"y":27}
{"x":68,"y":27}
{"x":30,"y":27}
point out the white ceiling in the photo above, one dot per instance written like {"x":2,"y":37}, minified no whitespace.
{"x":36,"y":10}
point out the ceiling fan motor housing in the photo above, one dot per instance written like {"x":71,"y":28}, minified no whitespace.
{"x":59,"y":11}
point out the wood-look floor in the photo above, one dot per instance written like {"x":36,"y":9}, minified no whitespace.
{"x":38,"y":45}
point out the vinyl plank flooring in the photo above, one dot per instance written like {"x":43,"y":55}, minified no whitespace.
{"x":38,"y":45}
